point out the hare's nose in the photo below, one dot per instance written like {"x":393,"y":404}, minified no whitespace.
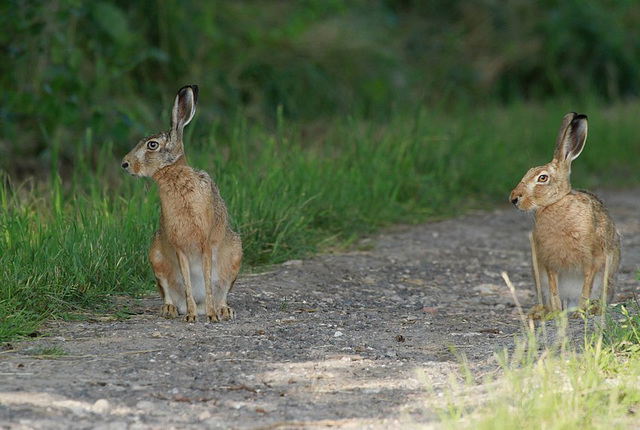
{"x":125,"y":165}
{"x":514,"y":200}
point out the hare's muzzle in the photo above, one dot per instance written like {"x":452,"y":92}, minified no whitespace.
{"x":515,"y":198}
{"x":127,"y":167}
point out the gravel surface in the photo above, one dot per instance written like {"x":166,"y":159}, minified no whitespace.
{"x":355,"y":340}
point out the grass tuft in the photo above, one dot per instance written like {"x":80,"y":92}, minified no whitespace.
{"x":622,"y":329}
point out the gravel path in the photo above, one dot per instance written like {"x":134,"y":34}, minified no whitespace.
{"x":353,"y":340}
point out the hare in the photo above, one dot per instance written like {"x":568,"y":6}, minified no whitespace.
{"x":575,"y":248}
{"x":195,"y":255}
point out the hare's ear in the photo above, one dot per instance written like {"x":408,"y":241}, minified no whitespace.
{"x":184,"y":108}
{"x":571,"y":138}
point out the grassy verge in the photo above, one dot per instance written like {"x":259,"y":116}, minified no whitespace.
{"x":587,"y":383}
{"x":76,"y":241}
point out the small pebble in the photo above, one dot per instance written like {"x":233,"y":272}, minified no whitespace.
{"x":204,"y":416}
{"x":145,"y":405}
{"x":101,"y":406}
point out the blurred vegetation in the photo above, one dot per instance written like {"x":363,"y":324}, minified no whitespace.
{"x":110,"y":67}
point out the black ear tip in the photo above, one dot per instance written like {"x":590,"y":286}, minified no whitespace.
{"x":576,"y":116}
{"x":579,"y":118}
{"x":194,"y":88}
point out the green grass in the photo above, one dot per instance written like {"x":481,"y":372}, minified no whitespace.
{"x":623,"y":327}
{"x":48,"y":352}
{"x":71,"y":244}
{"x":564,"y":383}
{"x":559,"y":389}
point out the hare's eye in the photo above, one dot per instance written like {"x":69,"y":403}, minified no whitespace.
{"x":543,"y":178}
{"x":152,"y":145}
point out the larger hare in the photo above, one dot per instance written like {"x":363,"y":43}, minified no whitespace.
{"x":194,"y":254}
{"x":574,"y":244}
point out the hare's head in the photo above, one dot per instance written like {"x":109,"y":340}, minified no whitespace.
{"x":164,"y":149}
{"x":542,"y":186}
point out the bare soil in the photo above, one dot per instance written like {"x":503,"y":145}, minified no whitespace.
{"x":362,"y":339}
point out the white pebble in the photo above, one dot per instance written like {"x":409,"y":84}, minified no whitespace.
{"x":101,"y":406}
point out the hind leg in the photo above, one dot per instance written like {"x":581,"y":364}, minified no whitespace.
{"x":164,"y":277}
{"x":589,"y":275}
{"x":227,"y":272}
{"x":169,"y":309}
{"x":224,"y":311}
{"x":599,"y":305}
{"x":207,"y":263}
{"x":611,"y":270}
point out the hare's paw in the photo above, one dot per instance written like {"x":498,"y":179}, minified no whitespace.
{"x":556,"y":303}
{"x":191,"y":317}
{"x":596,"y":307}
{"x":591,"y":307}
{"x":226,"y":313}
{"x":169,"y":311}
{"x":212,"y":317}
{"x":578,"y":314}
{"x":538,"y":312}
{"x":210,"y":311}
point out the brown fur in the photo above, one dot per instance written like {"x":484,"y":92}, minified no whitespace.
{"x":194,"y":254}
{"x":573,"y":236}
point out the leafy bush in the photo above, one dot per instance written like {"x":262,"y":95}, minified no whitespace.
{"x":70,"y":66}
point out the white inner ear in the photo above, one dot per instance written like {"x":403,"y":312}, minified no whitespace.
{"x":191,"y":106}
{"x":574,"y":148}
{"x":187,"y":102}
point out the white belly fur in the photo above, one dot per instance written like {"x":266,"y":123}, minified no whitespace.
{"x":570,"y":287}
{"x":197,"y":287}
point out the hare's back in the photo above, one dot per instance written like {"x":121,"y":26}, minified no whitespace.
{"x":604,"y":225}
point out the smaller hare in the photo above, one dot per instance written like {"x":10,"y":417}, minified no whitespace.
{"x":574,"y":244}
{"x":195,"y":255}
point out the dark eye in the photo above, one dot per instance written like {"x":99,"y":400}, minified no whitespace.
{"x":543,"y":178}
{"x":152,"y":145}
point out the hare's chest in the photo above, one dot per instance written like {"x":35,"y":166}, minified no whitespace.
{"x":187,"y":218}
{"x":560,"y":242}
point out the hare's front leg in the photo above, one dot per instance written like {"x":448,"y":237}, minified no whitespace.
{"x":539,"y":311}
{"x":183,"y":260}
{"x":554,"y":297}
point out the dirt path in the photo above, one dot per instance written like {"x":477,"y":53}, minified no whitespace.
{"x":336,"y":341}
